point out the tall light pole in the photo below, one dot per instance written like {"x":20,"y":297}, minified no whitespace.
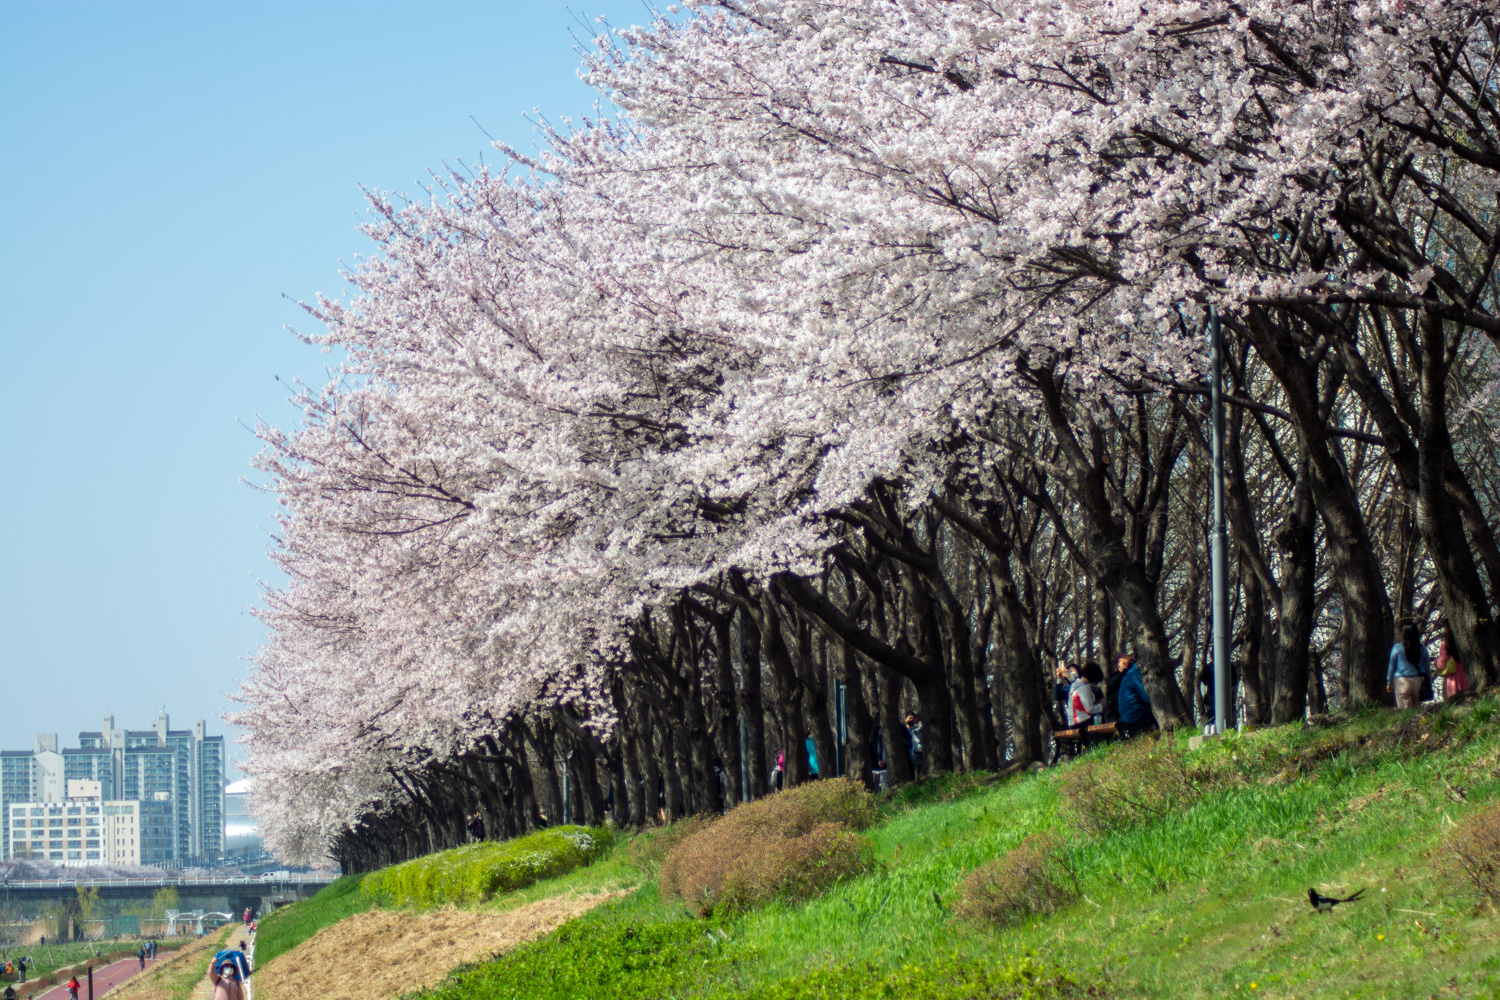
{"x":1218,"y":543}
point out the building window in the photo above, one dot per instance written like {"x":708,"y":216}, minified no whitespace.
{"x":73,"y":855}
{"x":54,"y":855}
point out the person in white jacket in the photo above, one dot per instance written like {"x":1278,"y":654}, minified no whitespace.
{"x":1083,"y":700}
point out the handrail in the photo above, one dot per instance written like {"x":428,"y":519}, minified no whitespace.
{"x":59,"y":883}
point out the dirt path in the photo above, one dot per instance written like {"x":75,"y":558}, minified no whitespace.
{"x":390,"y":952}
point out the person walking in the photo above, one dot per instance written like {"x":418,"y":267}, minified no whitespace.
{"x":73,"y":987}
{"x":812,"y":758}
{"x":226,"y":981}
{"x":21,"y":967}
{"x":1449,"y":668}
{"x":1409,"y":665}
{"x":140,"y":953}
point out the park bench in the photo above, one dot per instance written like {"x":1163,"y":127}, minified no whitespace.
{"x":1069,"y":743}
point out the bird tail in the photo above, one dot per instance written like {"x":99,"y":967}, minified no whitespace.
{"x":1350,"y":899}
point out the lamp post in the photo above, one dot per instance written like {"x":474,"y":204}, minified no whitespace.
{"x":1218,"y":542}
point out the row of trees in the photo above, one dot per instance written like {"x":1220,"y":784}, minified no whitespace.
{"x":854,"y":367}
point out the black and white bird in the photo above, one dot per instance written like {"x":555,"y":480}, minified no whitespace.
{"x":1323,"y":903}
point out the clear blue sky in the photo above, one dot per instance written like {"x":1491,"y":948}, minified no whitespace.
{"x":171,"y":171}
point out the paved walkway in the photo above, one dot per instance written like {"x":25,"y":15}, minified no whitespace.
{"x":106,"y":978}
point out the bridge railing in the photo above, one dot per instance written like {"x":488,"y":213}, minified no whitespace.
{"x":270,"y":878}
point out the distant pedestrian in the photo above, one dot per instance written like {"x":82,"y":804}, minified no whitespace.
{"x":1136,"y":715}
{"x":140,"y":953}
{"x":10,"y":993}
{"x":73,"y":988}
{"x":812,"y":758}
{"x":1060,"y":685}
{"x":1449,"y":667}
{"x":778,"y":772}
{"x":476,"y":826}
{"x":1409,"y":665}
{"x":915,"y":750}
{"x":21,"y":967}
{"x":1112,"y":682}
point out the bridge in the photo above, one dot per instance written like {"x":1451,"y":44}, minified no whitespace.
{"x":224,"y":892}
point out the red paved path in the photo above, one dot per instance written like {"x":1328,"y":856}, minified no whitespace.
{"x":105,"y":978}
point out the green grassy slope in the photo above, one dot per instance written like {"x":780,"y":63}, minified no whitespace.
{"x":1206,"y":902}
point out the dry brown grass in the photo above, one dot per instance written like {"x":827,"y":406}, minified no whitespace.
{"x":163,"y":980}
{"x":790,"y":846}
{"x":385,"y":953}
{"x":1474,"y":846}
{"x":1142,"y":780}
{"x":650,"y":848}
{"x":1032,"y":878}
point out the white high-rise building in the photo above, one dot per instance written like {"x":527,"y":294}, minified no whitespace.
{"x":76,"y":829}
{"x":176,"y":776}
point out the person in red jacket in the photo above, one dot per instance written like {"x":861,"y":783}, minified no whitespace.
{"x":73,"y":987}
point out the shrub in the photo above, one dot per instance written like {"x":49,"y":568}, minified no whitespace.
{"x":476,"y":872}
{"x":647,"y":850}
{"x":1474,"y":846}
{"x":1033,"y":877}
{"x":1142,"y":780}
{"x":791,"y":846}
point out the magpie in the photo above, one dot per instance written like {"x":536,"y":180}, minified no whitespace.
{"x":1323,"y":903}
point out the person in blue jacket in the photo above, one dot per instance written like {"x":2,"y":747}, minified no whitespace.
{"x":1409,"y":664}
{"x":1135,"y":707}
{"x":812,"y":758}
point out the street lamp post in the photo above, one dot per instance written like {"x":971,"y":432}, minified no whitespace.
{"x":1218,"y":544}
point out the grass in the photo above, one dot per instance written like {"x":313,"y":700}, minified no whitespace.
{"x":477,"y":872}
{"x":1207,"y":902}
{"x":288,"y":926}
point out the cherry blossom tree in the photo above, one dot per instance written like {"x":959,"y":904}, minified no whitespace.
{"x":857,"y":361}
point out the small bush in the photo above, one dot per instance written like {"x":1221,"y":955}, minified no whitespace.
{"x":475,"y":872}
{"x":791,"y":846}
{"x":1142,"y":780}
{"x":646,"y":851}
{"x":1032,"y":878}
{"x":1474,"y":846}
